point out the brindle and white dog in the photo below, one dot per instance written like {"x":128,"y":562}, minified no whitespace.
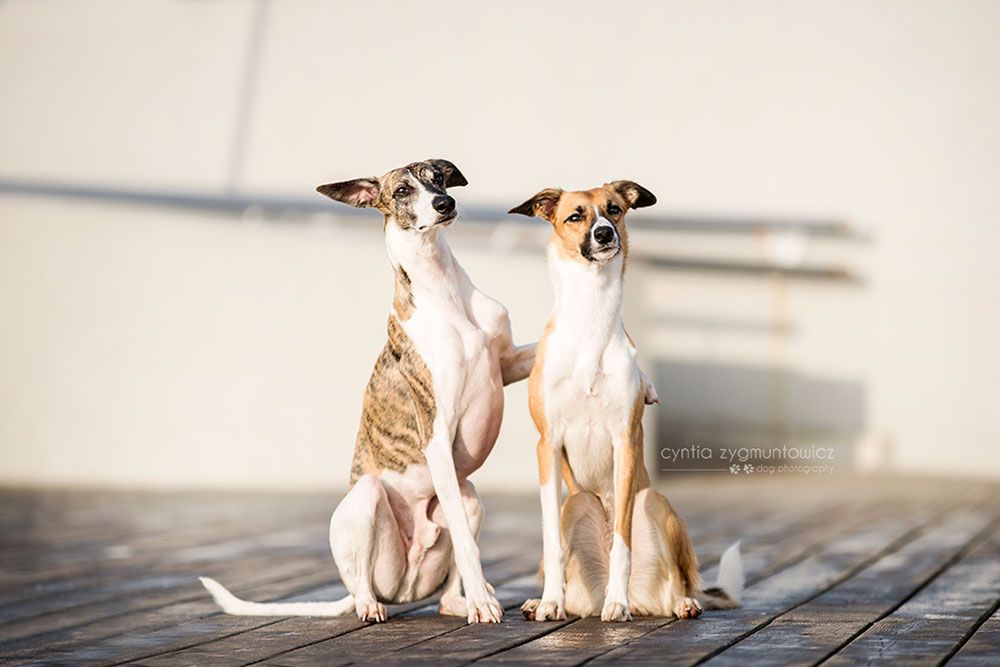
{"x":431,"y":416}
{"x":620,"y":549}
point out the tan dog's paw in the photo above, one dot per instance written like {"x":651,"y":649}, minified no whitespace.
{"x":370,"y":611}
{"x":615,"y":612}
{"x":543,"y":610}
{"x":687,"y":608}
{"x":529,"y":607}
{"x":487,"y":610}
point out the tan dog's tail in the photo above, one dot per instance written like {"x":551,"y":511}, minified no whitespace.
{"x":728,"y":589}
{"x":234,"y":605}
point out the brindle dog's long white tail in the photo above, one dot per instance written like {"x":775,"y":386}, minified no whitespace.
{"x":728,"y":590}
{"x":234,"y":605}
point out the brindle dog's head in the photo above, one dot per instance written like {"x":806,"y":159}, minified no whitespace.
{"x":589,"y":225}
{"x":412,"y":197}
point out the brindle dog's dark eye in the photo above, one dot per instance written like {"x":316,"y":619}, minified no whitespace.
{"x":576,"y":217}
{"x":438,"y":178}
{"x":613,"y":209}
{"x":401,"y":191}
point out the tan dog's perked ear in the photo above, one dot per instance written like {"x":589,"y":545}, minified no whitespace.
{"x":360,"y":192}
{"x":542,"y":204}
{"x":453,"y":178}
{"x":636,"y":195}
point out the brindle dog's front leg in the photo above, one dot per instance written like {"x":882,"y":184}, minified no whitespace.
{"x":517,"y":362}
{"x":452,"y":601}
{"x":481,"y":605}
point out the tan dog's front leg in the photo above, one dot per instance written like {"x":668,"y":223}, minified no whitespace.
{"x":649,"y":395}
{"x":626,"y":458}
{"x":481,"y":605}
{"x":552,"y":606}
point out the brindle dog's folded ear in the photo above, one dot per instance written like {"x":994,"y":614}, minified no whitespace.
{"x":453,"y":178}
{"x":542,"y":204}
{"x":360,"y":192}
{"x":636,"y":195}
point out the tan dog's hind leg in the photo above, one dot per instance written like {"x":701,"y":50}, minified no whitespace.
{"x":665,"y":569}
{"x":587,"y":532}
{"x":368,"y":548}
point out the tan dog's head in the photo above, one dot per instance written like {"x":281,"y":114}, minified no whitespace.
{"x":412,"y":197}
{"x":589,"y":225}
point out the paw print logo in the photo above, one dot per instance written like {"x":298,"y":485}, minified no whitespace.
{"x":734,"y":469}
{"x":748,"y":468}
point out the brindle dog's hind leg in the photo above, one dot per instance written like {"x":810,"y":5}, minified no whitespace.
{"x":368,"y":548}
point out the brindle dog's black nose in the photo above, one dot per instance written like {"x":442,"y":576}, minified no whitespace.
{"x":443,"y":204}
{"x":604,"y":234}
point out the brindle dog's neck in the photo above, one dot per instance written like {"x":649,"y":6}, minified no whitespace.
{"x":424,"y":268}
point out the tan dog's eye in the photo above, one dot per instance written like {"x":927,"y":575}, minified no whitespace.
{"x":401,"y":191}
{"x":613,"y":209}
{"x":576,"y":217}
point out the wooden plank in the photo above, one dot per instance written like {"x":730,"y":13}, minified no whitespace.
{"x":768,"y":548}
{"x":785,"y":522}
{"x":179,"y":624}
{"x":489,"y":645}
{"x":983,"y":648}
{"x":373,"y":641}
{"x":933,"y":624}
{"x":815,"y":630}
{"x":133,"y":552}
{"x":240,"y":572}
{"x":692,"y":641}
{"x":184,"y":625}
{"x":286,"y":634}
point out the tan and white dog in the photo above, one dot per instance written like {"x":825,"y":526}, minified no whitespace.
{"x":431,"y":415}
{"x":619,"y":548}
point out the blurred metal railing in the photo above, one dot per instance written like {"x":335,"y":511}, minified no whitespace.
{"x":782,"y":234}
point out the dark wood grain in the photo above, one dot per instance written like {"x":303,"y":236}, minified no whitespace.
{"x":930,"y":627}
{"x":843,"y":570}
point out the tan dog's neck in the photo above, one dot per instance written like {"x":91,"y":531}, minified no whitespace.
{"x":587,"y":292}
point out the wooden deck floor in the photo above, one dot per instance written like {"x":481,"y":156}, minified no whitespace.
{"x":840,"y":570}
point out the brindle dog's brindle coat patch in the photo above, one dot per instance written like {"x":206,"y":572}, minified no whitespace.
{"x":398,"y":409}
{"x":402,"y":295}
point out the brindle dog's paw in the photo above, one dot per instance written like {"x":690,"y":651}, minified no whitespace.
{"x":370,"y":611}
{"x":543,"y":610}
{"x":615,"y":612}
{"x":487,"y":610}
{"x":687,"y":608}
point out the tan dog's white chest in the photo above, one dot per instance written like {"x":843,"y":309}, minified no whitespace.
{"x":590,"y":391}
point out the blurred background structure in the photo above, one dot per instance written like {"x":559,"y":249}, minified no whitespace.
{"x":180,"y":309}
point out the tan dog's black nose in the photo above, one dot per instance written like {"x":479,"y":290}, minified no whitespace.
{"x":443,"y":204}
{"x":604,"y":234}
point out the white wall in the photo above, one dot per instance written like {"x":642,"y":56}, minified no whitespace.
{"x":167,"y":349}
{"x":879,"y":113}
